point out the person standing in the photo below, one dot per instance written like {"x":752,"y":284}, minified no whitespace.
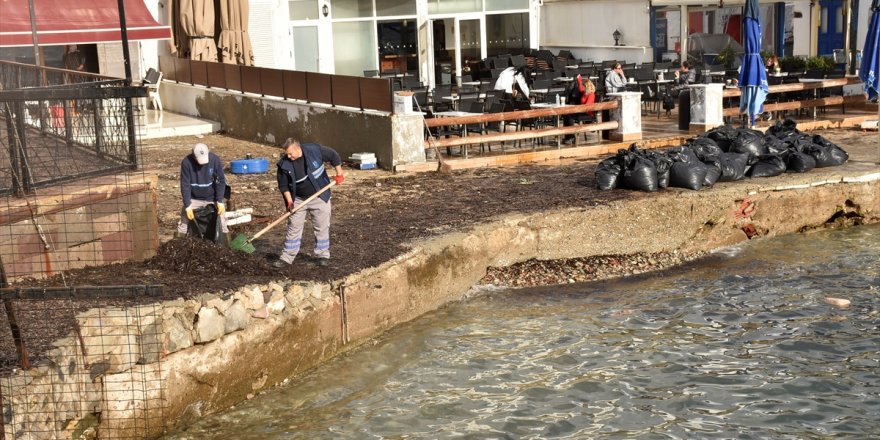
{"x":615,"y":80}
{"x":202,"y":183}
{"x":301,"y":174}
{"x":73,"y":58}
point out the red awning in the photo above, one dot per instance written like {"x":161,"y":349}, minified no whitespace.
{"x":76,"y":22}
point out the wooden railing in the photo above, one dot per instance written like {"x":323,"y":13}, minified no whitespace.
{"x":517,"y":116}
{"x":804,"y":103}
{"x":336,"y":90}
{"x":15,"y":75}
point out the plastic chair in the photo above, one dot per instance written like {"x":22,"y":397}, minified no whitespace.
{"x":152,"y":81}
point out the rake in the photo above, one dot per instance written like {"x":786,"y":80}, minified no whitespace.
{"x":244,"y":244}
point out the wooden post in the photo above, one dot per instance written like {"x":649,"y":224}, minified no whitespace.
{"x":13,"y":325}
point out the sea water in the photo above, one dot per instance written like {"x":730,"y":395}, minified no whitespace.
{"x":740,"y":345}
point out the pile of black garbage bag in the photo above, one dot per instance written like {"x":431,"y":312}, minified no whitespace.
{"x":724,"y":154}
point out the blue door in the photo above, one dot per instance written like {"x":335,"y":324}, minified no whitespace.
{"x":830,"y":26}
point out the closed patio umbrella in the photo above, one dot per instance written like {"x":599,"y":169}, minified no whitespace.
{"x":753,"y":76}
{"x":235,"y":44}
{"x":197,"y":20}
{"x":870,"y":55}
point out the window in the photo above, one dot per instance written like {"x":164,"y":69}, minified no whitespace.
{"x":501,"y":5}
{"x":353,"y":47}
{"x":453,"y":6}
{"x":352,"y":8}
{"x":395,"y":7}
{"x":303,"y":9}
{"x":507,"y":34}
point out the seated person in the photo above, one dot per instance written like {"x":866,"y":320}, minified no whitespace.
{"x":772,"y":64}
{"x":615,"y":80}
{"x":683,"y":76}
{"x":581,"y":91}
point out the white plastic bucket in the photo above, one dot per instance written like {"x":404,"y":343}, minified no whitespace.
{"x":403,"y":102}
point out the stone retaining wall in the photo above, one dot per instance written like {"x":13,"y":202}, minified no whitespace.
{"x":139,"y":371}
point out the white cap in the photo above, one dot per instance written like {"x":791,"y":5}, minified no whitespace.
{"x":200,"y":152}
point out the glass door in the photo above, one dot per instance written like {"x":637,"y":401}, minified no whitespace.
{"x":305,"y":48}
{"x":443,"y":50}
{"x":469,"y":45}
{"x":457,"y":45}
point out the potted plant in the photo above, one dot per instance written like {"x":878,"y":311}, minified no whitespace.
{"x":727,"y":57}
{"x":793,"y":64}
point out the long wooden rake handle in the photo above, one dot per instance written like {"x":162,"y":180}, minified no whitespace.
{"x":289,"y":213}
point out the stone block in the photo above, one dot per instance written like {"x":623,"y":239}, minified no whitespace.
{"x":218,"y":303}
{"x":177,"y":334}
{"x":109,"y":341}
{"x":262,"y":313}
{"x":252,"y":298}
{"x":210,"y":325}
{"x":276,"y":302}
{"x":236,"y":317}
{"x":133,"y":402}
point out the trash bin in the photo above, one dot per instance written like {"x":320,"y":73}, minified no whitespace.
{"x":684,"y":110}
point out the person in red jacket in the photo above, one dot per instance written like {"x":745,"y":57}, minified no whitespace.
{"x":582,"y":91}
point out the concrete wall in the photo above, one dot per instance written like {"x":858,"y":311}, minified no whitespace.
{"x":90,"y":223}
{"x":158,"y":366}
{"x":586,"y":29}
{"x":395,"y":139}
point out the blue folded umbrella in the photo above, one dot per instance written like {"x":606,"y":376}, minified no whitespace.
{"x":870,"y":57}
{"x":752,"y":76}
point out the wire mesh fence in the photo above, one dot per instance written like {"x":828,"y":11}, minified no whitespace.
{"x":75,"y":362}
{"x":81,"y":363}
{"x":71,"y":192}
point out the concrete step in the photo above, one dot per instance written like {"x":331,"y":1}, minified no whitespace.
{"x":169,"y":124}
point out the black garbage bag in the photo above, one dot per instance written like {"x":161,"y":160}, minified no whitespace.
{"x":768,"y":165}
{"x":705,"y":148}
{"x":748,"y":141}
{"x":713,"y":172}
{"x":781,"y":129}
{"x":775,"y":146}
{"x":733,"y":166}
{"x":687,"y":175}
{"x":826,"y":153}
{"x":683,"y":153}
{"x":723,"y":136}
{"x":662,"y":163}
{"x":639,"y":172}
{"x":608,"y":172}
{"x":206,"y":224}
{"x":798,"y":162}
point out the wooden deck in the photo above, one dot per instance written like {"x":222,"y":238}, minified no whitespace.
{"x":657,"y":132}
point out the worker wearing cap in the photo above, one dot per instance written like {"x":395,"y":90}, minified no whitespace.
{"x":202,"y":183}
{"x":301,"y":173}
